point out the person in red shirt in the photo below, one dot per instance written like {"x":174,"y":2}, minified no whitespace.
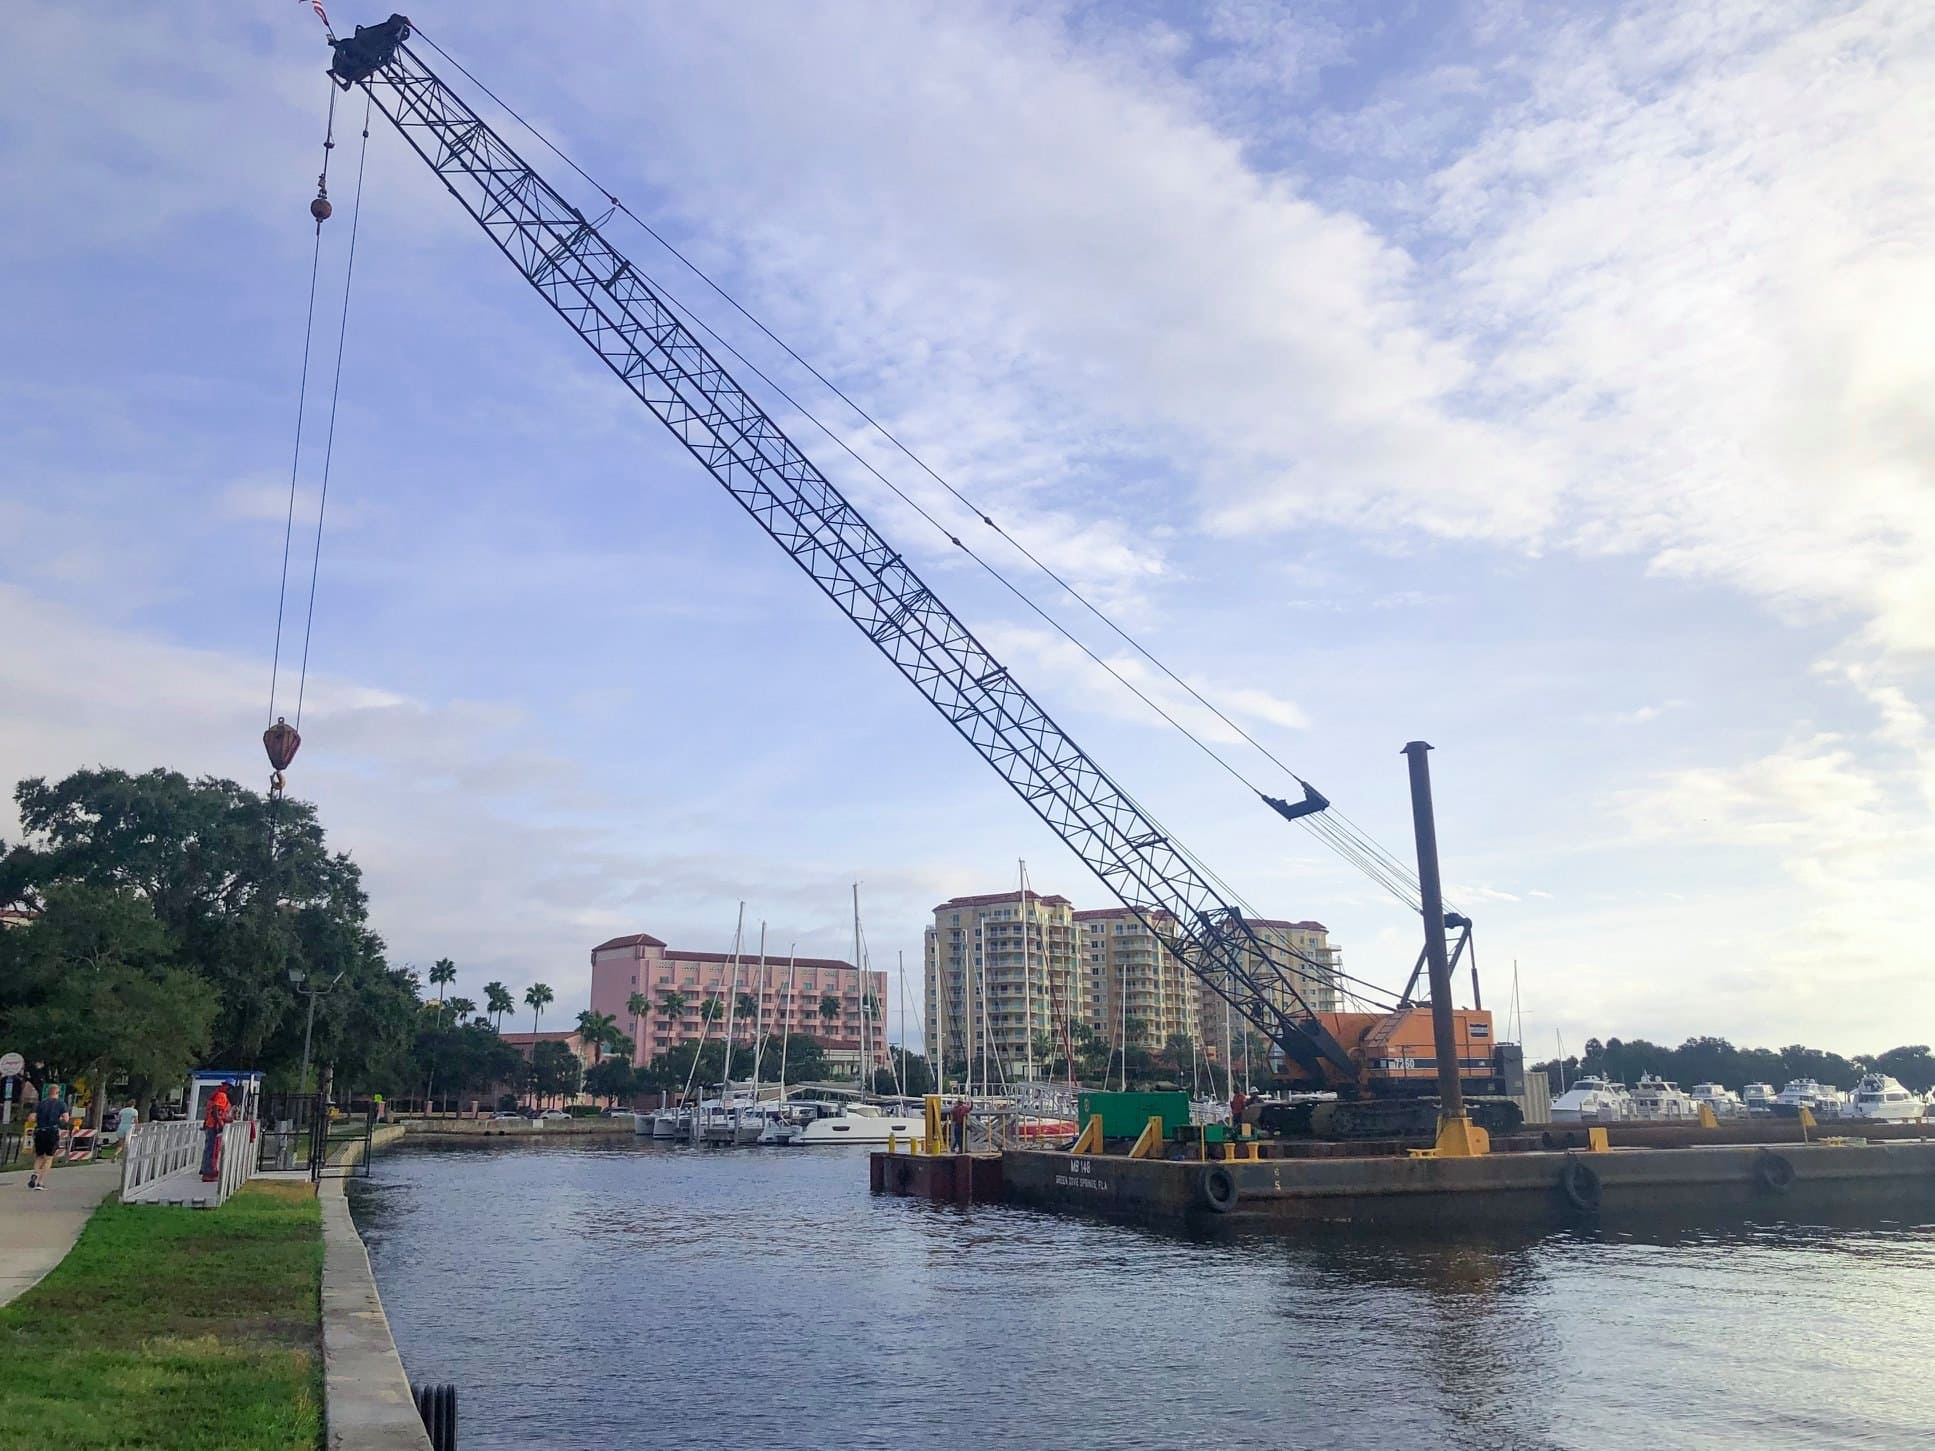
{"x":215,"y":1117}
{"x":1238,"y":1103}
{"x":959,"y":1113}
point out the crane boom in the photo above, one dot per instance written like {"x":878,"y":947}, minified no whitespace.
{"x":595,"y":289}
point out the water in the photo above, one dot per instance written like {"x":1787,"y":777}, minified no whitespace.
{"x":631,"y":1295}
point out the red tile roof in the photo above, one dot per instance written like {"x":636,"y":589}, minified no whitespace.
{"x":773,"y":959}
{"x":637,"y":939}
{"x":993,"y":899}
{"x":1098,"y":913}
{"x":1295,"y":926}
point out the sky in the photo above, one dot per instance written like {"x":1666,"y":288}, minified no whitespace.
{"x":1547,"y":383}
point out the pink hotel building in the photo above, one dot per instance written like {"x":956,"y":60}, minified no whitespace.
{"x":641,"y":963}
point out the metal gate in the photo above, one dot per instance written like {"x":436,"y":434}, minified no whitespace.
{"x":345,"y":1144}
{"x":290,"y":1138}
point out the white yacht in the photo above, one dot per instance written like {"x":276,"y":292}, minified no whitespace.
{"x":1817,"y":1098}
{"x":1592,"y":1101}
{"x":1724,"y":1102}
{"x":863,"y":1123}
{"x":1879,"y":1097}
{"x":1657,"y":1101}
{"x":1758,"y":1099}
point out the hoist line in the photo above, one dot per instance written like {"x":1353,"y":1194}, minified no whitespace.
{"x":695,"y":320}
{"x":302,"y":408}
{"x":335,"y":395}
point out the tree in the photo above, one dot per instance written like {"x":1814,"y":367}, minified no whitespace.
{"x":610,"y":1080}
{"x":537,"y":997}
{"x":597,"y":1031}
{"x":746,"y":1008}
{"x":915,"y":1074}
{"x":804,"y":1056}
{"x":461,"y":1008}
{"x":713,"y":1008}
{"x":91,"y":989}
{"x":556,"y":1072}
{"x":497,"y":1002}
{"x":245,"y":892}
{"x":671,"y":1006}
{"x":829,"y":1010}
{"x":639,"y":1006}
{"x":443,"y":972}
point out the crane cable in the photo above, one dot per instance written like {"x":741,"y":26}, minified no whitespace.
{"x":1344,"y":836}
{"x":1350,"y":841}
{"x":280,"y":739}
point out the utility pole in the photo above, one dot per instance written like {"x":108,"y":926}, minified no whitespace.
{"x":296,"y":979}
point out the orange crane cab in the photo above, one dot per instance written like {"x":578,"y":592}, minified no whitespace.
{"x":1397,"y":1077}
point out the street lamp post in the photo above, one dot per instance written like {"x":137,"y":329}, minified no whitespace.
{"x":296,"y":979}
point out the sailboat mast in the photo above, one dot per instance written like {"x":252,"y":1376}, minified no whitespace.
{"x":792,"y":1016}
{"x":900,"y":957}
{"x":1027,"y":975}
{"x":860,"y":971}
{"x":759,"y":1012}
{"x":732,"y":1003}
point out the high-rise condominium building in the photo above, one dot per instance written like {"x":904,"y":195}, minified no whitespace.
{"x":1147,"y":995}
{"x":1003,"y":971}
{"x":1295,"y":947}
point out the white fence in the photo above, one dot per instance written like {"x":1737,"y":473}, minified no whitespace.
{"x":157,"y":1152}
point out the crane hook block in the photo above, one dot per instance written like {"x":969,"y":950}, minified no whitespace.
{"x":1313,"y":802}
{"x":372,"y":47}
{"x":282,"y":742}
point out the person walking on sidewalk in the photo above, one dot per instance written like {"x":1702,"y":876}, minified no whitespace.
{"x":51,"y":1115}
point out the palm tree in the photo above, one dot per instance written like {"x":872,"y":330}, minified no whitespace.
{"x":829,"y":1010}
{"x":671,"y":1005}
{"x":713,"y":1008}
{"x":596,"y":1030}
{"x":638,"y":1005}
{"x":748,"y":1007}
{"x":462,"y":1008}
{"x":442,"y":974}
{"x":497,"y":1002}
{"x":537,"y":997}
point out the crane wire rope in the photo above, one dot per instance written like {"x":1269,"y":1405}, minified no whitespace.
{"x":1351,"y":852}
{"x":335,"y":395}
{"x":302,"y":407}
{"x":1344,"y":836}
{"x":1354,"y":853}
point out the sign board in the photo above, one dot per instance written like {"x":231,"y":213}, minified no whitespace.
{"x":11,"y":1065}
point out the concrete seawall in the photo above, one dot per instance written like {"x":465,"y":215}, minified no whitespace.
{"x":367,"y":1399}
{"x":465,"y":1128}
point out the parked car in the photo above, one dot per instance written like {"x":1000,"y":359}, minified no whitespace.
{"x":619,"y":1113}
{"x":552,"y":1113}
{"x":507,"y":1118}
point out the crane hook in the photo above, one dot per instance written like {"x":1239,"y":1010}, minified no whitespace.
{"x":281,"y":741}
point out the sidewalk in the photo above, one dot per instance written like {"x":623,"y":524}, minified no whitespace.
{"x":37,"y":1229}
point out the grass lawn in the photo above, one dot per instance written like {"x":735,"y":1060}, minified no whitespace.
{"x":173,"y":1329}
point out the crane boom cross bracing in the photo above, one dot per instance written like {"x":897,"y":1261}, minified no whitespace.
{"x":566,"y":258}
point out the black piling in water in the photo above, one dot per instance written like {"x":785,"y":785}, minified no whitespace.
{"x":437,"y":1404}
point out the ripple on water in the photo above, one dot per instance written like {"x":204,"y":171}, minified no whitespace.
{"x":638,"y":1295}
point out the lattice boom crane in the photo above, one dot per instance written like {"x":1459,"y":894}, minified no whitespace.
{"x":597,"y":291}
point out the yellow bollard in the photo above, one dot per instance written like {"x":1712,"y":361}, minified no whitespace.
{"x":936,"y":1124}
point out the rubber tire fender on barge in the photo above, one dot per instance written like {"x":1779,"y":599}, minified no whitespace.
{"x":1219,"y":1189}
{"x":1773,"y":1172}
{"x":1579,"y":1182}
